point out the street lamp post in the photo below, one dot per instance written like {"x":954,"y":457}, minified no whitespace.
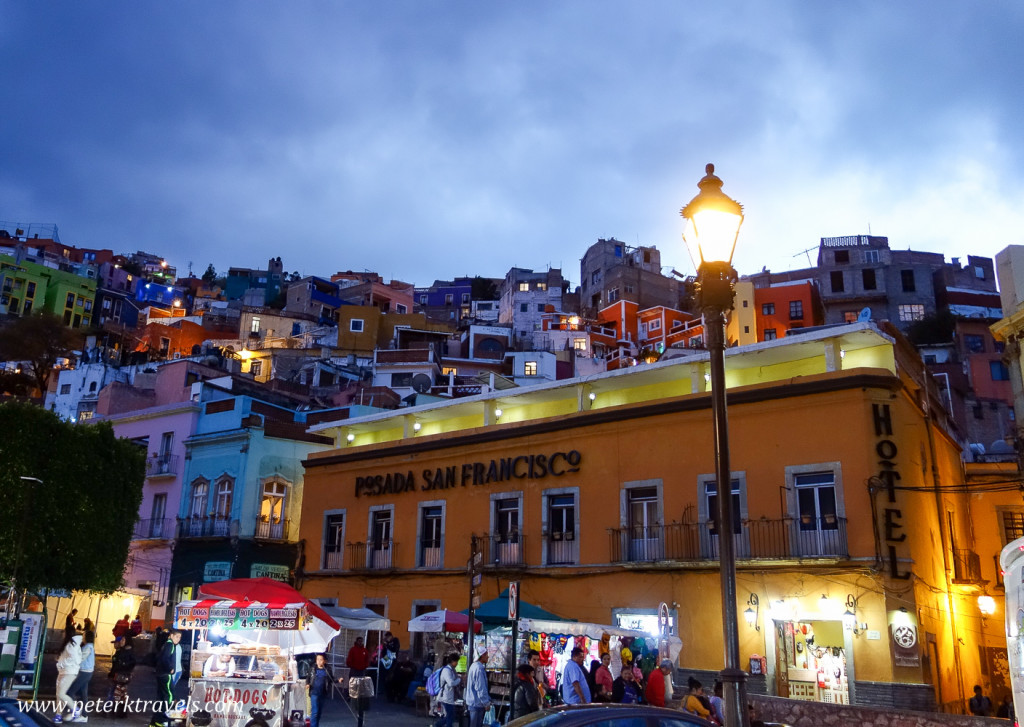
{"x":713,"y":222}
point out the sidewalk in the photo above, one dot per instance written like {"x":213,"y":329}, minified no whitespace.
{"x":143,"y":687}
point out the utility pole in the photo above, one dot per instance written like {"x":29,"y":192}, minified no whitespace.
{"x":476,"y":560}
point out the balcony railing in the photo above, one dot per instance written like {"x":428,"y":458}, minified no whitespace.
{"x":162,"y":465}
{"x":271,"y":529}
{"x":562,"y":549}
{"x":762,"y":539}
{"x":966,"y":566}
{"x":430,"y":554}
{"x":504,"y":550}
{"x":154,"y":529}
{"x":372,"y":555}
{"x":334,"y":559}
{"x":206,"y":527}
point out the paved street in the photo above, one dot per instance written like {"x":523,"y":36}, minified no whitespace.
{"x":143,"y":687}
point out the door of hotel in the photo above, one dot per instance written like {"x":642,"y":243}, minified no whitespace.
{"x":817,"y":515}
{"x":811,"y":661}
{"x":644,"y":531}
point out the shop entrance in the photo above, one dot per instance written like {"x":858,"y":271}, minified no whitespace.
{"x":811,"y":661}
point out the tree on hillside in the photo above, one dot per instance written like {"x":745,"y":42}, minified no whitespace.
{"x":210,"y":275}
{"x":39,"y":340}
{"x":483,"y":289}
{"x":71,"y":494}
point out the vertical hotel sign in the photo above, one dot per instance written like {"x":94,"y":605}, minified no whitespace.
{"x":889,"y":474}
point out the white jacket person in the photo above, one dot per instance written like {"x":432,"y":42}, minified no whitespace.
{"x":68,"y":664}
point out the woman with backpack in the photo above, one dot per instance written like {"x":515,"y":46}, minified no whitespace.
{"x":448,"y":685}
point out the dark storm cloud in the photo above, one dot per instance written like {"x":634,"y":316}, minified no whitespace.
{"x":431,"y":139}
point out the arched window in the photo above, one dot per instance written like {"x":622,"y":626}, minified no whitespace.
{"x":222,"y":505}
{"x":272,"y":509}
{"x":200,"y":496}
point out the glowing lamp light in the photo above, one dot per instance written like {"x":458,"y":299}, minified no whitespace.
{"x":849,"y":620}
{"x":713,"y":222}
{"x":350,"y":437}
{"x":823,"y":603}
{"x":592,"y":396}
{"x":987,"y":605}
{"x":245,"y":354}
{"x":497,"y":413}
{"x":417,"y":426}
{"x":127,"y":603}
{"x":750,"y":615}
{"x":217,"y":631}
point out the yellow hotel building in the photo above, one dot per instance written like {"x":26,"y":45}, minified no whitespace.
{"x":595,"y":494}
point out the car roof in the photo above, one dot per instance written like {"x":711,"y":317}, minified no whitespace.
{"x":571,"y":714}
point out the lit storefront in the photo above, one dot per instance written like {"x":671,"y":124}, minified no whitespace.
{"x":598,"y":496}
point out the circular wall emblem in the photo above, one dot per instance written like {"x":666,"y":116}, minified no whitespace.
{"x":905,"y":636}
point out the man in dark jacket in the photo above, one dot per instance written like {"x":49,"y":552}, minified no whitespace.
{"x":526,"y":698}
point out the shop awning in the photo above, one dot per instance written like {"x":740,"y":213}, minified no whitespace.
{"x":357,"y":619}
{"x":593,"y":631}
{"x":495,"y":611}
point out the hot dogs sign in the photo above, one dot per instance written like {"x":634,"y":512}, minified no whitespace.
{"x":228,"y":616}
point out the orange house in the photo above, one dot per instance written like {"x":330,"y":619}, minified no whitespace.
{"x":787,"y":306}
{"x":598,"y":496}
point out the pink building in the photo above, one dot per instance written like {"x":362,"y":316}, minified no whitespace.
{"x":158,"y":413}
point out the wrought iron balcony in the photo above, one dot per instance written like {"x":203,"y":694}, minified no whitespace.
{"x":763,"y":539}
{"x":504,"y":550}
{"x":154,"y":529}
{"x":430,"y":553}
{"x":271,"y":529}
{"x":966,"y":566}
{"x":207,"y":527}
{"x":563,"y":548}
{"x":371,"y":556}
{"x":334,"y":559}
{"x":162,"y":465}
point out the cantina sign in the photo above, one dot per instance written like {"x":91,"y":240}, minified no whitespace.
{"x":523,"y":467}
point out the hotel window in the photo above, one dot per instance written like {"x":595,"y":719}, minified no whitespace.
{"x":796,"y":310}
{"x":643,"y":524}
{"x":911,"y":311}
{"x":431,"y":540}
{"x":1013,"y":526}
{"x":334,"y":540}
{"x":530,"y":368}
{"x":579,"y":344}
{"x":907,"y":279}
{"x":506,"y":541}
{"x":356,"y":325}
{"x":524,"y":287}
{"x":974,"y":343}
{"x":767,"y":309}
{"x":871,"y":256}
{"x":707,"y":512}
{"x":770,"y":334}
{"x":561,"y":527}
{"x":379,"y":550}
{"x":838,"y":285}
{"x":654,"y":325}
{"x":868,"y":277}
{"x":815,"y":501}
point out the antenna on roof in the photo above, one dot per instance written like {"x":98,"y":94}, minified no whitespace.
{"x":808,"y":253}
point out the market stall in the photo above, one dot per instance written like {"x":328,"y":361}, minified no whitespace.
{"x":243,"y":666}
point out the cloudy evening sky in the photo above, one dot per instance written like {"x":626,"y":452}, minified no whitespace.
{"x":428,"y":139}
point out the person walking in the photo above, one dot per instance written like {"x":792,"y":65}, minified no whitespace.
{"x":168,"y":669}
{"x":121,"y":666}
{"x":574,"y":680}
{"x":449,"y":692}
{"x":979,"y":704}
{"x":68,"y":664}
{"x":478,"y":693}
{"x":79,"y":690}
{"x":655,"y":692}
{"x":625,"y":689}
{"x":318,"y":684}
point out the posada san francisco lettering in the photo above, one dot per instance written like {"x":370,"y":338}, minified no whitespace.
{"x":522,"y":467}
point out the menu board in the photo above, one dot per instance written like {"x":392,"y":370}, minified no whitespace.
{"x":228,"y":618}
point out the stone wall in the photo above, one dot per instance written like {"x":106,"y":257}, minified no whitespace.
{"x":799,"y":713}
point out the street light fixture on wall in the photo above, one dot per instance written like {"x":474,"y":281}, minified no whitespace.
{"x":713,"y":222}
{"x":750,"y":615}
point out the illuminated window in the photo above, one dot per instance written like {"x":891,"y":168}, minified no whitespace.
{"x":911,"y":312}
{"x":524,"y":287}
{"x":580,"y":344}
{"x":450,"y":371}
{"x":850,"y":316}
{"x":542,"y":286}
{"x":530,"y":368}
{"x":1013,"y":526}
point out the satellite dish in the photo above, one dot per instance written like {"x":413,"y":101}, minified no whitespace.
{"x":864,"y":316}
{"x":421,"y":383}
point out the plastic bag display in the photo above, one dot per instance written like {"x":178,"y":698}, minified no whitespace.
{"x":360,"y":687}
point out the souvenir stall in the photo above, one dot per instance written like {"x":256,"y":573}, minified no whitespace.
{"x":814,"y":658}
{"x":450,"y":624}
{"x":245,"y":637}
{"x":353,"y":622}
{"x":555,"y":641}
